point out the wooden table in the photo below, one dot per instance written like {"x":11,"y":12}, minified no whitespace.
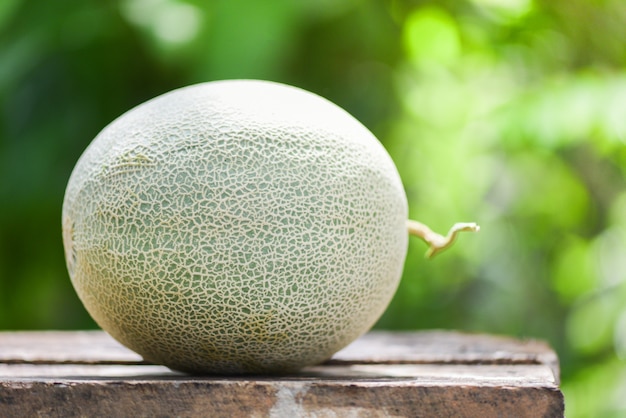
{"x":383,"y":374}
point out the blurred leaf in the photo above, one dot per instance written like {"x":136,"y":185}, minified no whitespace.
{"x":597,"y":390}
{"x":431,"y":36}
{"x":7,"y":9}
{"x":248,"y":39}
{"x":168,"y":21}
{"x":504,"y":10}
{"x":591,"y":324}
{"x":574,"y":273}
{"x":581,"y":108}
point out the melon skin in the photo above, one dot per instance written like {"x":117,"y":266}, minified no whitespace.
{"x":235,"y":227}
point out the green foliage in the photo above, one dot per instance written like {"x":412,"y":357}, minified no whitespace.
{"x":511,"y":113}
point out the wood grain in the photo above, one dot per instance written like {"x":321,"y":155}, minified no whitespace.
{"x":418,"y":374}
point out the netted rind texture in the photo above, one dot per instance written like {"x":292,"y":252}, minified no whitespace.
{"x":235,"y":227}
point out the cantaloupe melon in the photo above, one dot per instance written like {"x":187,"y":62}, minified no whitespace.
{"x":236,"y":227}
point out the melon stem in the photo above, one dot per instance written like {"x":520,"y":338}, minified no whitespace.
{"x":435,"y":241}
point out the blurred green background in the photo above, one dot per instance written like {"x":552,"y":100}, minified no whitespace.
{"x":511,"y":113}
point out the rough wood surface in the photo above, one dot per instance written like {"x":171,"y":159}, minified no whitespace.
{"x":419,"y":374}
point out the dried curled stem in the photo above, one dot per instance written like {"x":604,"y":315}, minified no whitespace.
{"x":437,"y":242}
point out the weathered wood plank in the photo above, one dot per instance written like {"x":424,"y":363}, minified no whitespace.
{"x":291,"y":397}
{"x":488,"y":375}
{"x":382,"y":374}
{"x":442,"y":347}
{"x":375,"y":347}
{"x":75,"y":347}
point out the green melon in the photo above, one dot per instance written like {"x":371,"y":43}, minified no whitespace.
{"x":235,"y":227}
